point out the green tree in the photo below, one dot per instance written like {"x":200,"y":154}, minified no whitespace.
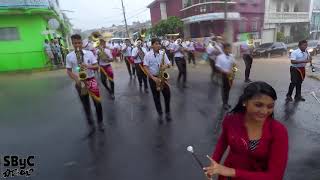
{"x":280,"y":36}
{"x":171,"y":25}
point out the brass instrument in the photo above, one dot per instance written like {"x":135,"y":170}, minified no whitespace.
{"x":141,"y":53}
{"x":163,"y":75}
{"x":82,"y":72}
{"x":102,"y":56}
{"x":233,"y":72}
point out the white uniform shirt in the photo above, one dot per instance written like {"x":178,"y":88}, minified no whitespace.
{"x":88,"y":58}
{"x":177,"y":53}
{"x":191,"y":47}
{"x":225,"y":63}
{"x":127,"y":52}
{"x":153,"y":61}
{"x":213,"y":51}
{"x":108,"y":53}
{"x":135,"y":51}
{"x":298,"y":55}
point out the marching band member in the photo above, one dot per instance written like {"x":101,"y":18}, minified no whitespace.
{"x":105,"y":58}
{"x":224,"y":64}
{"x":81,"y":65}
{"x":213,"y":50}
{"x":191,"y":49}
{"x":178,"y":50}
{"x":138,"y":54}
{"x":126,"y":50}
{"x":299,"y":58}
{"x":153,"y":65}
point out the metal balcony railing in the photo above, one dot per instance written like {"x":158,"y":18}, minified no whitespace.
{"x":205,"y":8}
{"x":31,"y":4}
{"x":7,"y":4}
{"x":287,"y":17}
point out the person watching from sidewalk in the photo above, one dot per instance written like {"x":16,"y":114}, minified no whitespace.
{"x":48,"y":51}
{"x":299,"y":58}
{"x":258,"y":143}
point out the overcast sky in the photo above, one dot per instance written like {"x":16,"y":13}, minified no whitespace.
{"x":90,"y":14}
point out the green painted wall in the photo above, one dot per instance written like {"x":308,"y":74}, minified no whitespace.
{"x":26,"y":53}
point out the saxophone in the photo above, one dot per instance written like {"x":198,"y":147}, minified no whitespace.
{"x":233,"y":72}
{"x":82,"y":72}
{"x":163,"y":75}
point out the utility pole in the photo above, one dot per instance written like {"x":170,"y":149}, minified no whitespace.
{"x":228,"y":29}
{"x":125,"y":19}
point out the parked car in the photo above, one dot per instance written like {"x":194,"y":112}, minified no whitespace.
{"x":313,"y":47}
{"x":270,"y":48}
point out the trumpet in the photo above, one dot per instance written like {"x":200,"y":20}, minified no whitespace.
{"x":163,"y":75}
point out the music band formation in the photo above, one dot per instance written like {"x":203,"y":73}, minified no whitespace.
{"x":251,"y":117}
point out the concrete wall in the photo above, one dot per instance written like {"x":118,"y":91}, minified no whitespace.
{"x":26,"y":53}
{"x":155,"y":13}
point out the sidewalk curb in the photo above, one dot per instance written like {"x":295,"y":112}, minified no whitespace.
{"x":31,"y":71}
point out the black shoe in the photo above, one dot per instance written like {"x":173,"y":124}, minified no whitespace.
{"x":92,"y":130}
{"x":112,"y":96}
{"x":146,"y":91}
{"x":185,"y":86}
{"x":248,"y":81}
{"x":289,"y":99}
{"x":101,"y":127}
{"x":160,"y":119}
{"x":299,"y":99}
{"x":168,"y":117}
{"x":226,"y":106}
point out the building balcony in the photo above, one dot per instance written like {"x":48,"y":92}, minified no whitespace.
{"x":17,"y":4}
{"x":206,"y":8}
{"x":287,"y":17}
{"x":35,"y":6}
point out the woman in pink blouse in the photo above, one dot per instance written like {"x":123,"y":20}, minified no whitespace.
{"x":258,"y":144}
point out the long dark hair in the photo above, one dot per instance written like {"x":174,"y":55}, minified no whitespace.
{"x":252,"y":90}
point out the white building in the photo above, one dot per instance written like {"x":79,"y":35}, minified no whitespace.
{"x":290,"y":17}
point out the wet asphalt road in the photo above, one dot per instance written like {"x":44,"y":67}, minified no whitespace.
{"x":41,"y":115}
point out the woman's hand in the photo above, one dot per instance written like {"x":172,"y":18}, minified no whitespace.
{"x":217,"y":169}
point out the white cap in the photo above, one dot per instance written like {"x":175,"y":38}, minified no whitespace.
{"x":190,"y":149}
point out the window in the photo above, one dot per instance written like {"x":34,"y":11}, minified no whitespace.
{"x":286,"y":8}
{"x":296,"y":8}
{"x":278,"y":6}
{"x":254,"y":26}
{"x":243,"y":26}
{"x":253,"y":1}
{"x":9,"y":34}
{"x":203,"y":9}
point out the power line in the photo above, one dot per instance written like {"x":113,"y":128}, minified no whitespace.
{"x":137,"y":14}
